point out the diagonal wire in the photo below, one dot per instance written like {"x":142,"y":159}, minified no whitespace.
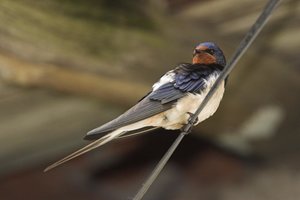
{"x":242,"y":48}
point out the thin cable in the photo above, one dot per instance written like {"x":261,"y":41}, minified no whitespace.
{"x":243,"y":46}
{"x":158,"y":168}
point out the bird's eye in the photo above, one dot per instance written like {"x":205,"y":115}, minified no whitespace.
{"x":210,"y":51}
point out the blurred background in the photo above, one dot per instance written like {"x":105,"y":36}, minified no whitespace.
{"x":69,"y":66}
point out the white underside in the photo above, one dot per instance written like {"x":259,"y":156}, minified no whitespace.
{"x":178,"y":116}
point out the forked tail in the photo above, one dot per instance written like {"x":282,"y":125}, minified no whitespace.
{"x":105,"y":139}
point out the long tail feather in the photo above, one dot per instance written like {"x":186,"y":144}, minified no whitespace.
{"x":123,"y":136}
{"x":105,"y":139}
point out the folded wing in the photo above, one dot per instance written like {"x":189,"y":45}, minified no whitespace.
{"x":188,"y":78}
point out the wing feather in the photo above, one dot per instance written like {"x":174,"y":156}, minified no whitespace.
{"x":142,"y":110}
{"x":186,"y":78}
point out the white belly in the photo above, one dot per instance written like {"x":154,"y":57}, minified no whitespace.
{"x":178,"y":117}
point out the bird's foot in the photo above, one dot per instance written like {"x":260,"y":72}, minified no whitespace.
{"x":187,"y":127}
{"x":190,"y":118}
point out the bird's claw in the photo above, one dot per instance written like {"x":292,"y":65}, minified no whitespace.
{"x":186,"y":129}
{"x":190,"y":118}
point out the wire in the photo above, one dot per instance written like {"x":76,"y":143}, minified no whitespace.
{"x":243,"y":46}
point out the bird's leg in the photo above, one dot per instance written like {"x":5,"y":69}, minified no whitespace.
{"x":186,"y":126}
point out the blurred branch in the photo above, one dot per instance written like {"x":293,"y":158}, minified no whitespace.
{"x":26,"y":74}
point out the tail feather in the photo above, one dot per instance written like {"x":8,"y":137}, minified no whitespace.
{"x":105,"y":139}
{"x":138,"y":132}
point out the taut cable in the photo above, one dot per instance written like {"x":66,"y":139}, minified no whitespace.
{"x":242,"y":48}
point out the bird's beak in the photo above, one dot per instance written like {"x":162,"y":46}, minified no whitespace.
{"x":198,"y":51}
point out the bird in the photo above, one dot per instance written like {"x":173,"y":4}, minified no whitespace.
{"x":170,"y":103}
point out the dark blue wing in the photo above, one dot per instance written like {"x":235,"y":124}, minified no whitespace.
{"x":142,"y":110}
{"x":188,"y":79}
{"x":166,"y":93}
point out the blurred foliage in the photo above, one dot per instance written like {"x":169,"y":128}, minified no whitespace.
{"x":54,"y":31}
{"x":117,"y":12}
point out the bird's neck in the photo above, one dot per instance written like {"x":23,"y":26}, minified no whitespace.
{"x":188,"y":67}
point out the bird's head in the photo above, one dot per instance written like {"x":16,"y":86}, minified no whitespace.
{"x":208,"y":53}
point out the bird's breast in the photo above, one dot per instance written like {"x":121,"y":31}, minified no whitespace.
{"x":178,"y":116}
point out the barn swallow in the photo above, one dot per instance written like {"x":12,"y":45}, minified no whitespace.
{"x":176,"y":95}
